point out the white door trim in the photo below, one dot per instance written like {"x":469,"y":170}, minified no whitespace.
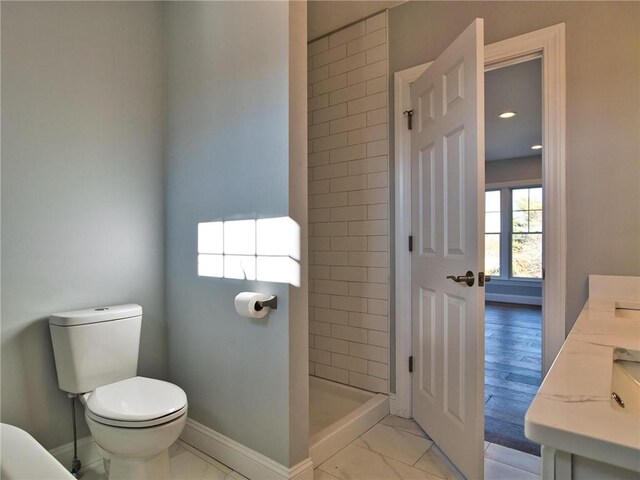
{"x":548,"y":43}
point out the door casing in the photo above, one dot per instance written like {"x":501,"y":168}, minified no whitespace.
{"x":548,"y":44}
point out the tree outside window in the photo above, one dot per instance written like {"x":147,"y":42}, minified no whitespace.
{"x":526,"y":233}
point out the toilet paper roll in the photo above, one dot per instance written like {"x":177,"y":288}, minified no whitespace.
{"x":245,"y":303}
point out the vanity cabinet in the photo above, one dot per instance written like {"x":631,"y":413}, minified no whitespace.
{"x":561,"y":465}
{"x":584,"y":432}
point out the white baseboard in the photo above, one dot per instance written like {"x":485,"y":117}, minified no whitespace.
{"x":240,"y":458}
{"x":87,"y":452}
{"x":521,"y":299}
{"x":302,"y":471}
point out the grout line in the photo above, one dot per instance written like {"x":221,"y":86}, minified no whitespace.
{"x":509,"y":464}
{"x":203,"y":456}
{"x":90,"y":465}
{"x":513,"y":466}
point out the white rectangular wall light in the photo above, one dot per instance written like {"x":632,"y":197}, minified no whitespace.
{"x":267,"y":249}
{"x":241,"y":267}
{"x":210,"y":265}
{"x":210,"y":238}
{"x":278,"y":236}
{"x":240,"y":237}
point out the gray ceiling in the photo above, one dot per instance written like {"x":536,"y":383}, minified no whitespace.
{"x":515,"y":88}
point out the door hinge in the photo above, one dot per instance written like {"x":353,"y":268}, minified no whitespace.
{"x":543,"y":274}
{"x":411,"y":243}
{"x":411,"y":364}
{"x":409,"y":114}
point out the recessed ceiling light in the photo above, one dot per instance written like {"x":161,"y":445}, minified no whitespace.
{"x":507,"y":114}
{"x":536,"y":147}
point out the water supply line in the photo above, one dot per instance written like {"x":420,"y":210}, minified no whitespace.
{"x":75,"y":463}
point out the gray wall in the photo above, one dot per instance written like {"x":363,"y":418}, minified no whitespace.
{"x":513,"y":169}
{"x":82,"y":217}
{"x":228,"y":158}
{"x":603,"y":114}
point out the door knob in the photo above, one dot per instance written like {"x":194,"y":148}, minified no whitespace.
{"x":469,"y":279}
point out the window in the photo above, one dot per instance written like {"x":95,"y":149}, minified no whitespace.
{"x":526,"y":232}
{"x":492,"y":233}
{"x":513,"y":232}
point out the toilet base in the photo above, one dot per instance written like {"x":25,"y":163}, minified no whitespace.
{"x":127,"y":468}
{"x":136,"y":453}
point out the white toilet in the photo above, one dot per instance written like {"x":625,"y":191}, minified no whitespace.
{"x":133,"y":419}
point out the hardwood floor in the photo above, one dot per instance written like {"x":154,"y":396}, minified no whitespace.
{"x":513,"y":359}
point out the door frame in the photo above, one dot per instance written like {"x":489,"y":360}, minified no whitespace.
{"x":548,"y":44}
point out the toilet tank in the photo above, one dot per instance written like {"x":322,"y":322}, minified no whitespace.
{"x":95,"y":347}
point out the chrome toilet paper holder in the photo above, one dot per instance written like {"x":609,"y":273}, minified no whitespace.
{"x":271,"y":302}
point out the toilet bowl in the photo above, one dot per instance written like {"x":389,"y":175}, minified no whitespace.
{"x":134,"y":422}
{"x":133,"y":419}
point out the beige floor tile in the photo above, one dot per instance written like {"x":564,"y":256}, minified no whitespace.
{"x":394,"y":443}
{"x":432,"y":463}
{"x":95,"y":471}
{"x":185,"y":465}
{"x":405,"y":424}
{"x":235,"y":476}
{"x":356,"y":463}
{"x":175,"y":450}
{"x":514,"y":458}
{"x":188,"y":466}
{"x":322,"y":475}
{"x":499,"y":471}
{"x":206,"y":458}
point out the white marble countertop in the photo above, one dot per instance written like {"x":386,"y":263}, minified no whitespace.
{"x":573,"y":410}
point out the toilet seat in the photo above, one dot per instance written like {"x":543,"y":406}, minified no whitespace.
{"x":136,"y":402}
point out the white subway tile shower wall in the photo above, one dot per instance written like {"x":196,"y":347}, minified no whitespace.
{"x":349,"y":206}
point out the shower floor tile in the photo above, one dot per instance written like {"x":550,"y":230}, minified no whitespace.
{"x":329,"y":402}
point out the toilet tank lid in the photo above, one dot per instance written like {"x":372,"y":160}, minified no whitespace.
{"x":95,"y":315}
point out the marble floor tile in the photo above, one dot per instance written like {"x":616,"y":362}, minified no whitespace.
{"x":94,"y":471}
{"x":514,"y":458}
{"x":394,"y":449}
{"x":397,"y":444}
{"x":176,"y":449}
{"x":184,"y":466}
{"x":434,"y":464}
{"x":322,"y":475}
{"x":499,"y":471}
{"x":405,"y":424}
{"x":207,"y":458}
{"x":356,"y":463}
{"x":235,"y":475}
{"x":188,"y":466}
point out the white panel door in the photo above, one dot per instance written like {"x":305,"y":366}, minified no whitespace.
{"x":447,"y":174}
